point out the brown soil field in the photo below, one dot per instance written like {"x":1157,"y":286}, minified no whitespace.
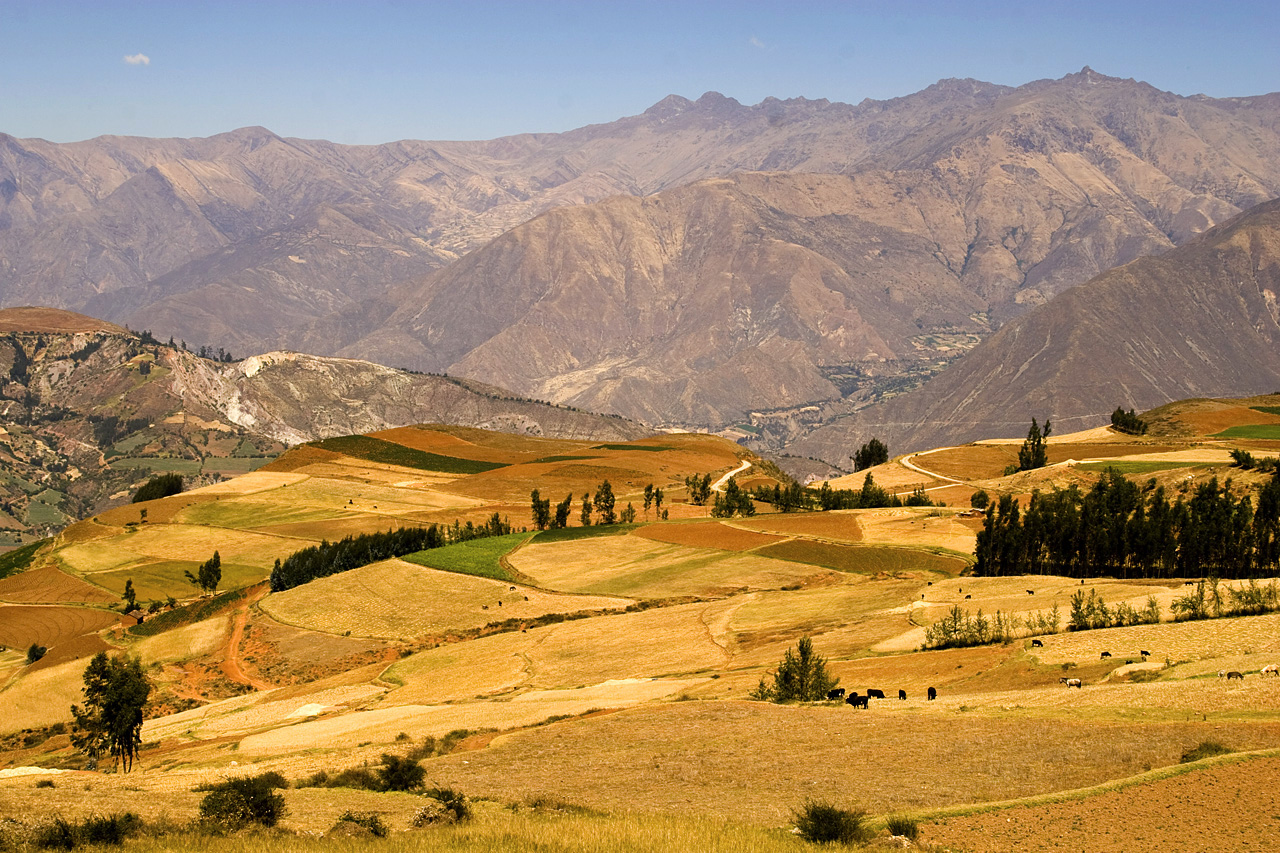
{"x":706,"y":758}
{"x":23,"y":624}
{"x":298,"y":458}
{"x":890,"y":476}
{"x":707,"y":535}
{"x":522,"y":449}
{"x":842,"y":525}
{"x":77,"y":648}
{"x":161,"y":511}
{"x":47,"y":584}
{"x":1222,"y":808}
{"x":1214,"y":419}
{"x":924,"y":528}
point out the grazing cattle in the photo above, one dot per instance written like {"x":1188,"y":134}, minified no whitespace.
{"x":1070,"y":682}
{"x":837,"y":693}
{"x":1106,"y":654}
{"x":1233,"y":674}
{"x":875,"y":694}
{"x":902,"y":694}
{"x":484,"y":607}
{"x":933,"y":693}
{"x":1145,"y":653}
{"x":1270,"y":669}
{"x":968,"y":596}
{"x":856,"y":701}
{"x":1031,"y":592}
{"x":1222,"y":673}
{"x":1037,"y":644}
{"x":511,"y":589}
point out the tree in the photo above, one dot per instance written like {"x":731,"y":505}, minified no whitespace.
{"x":115,"y":692}
{"x":657,"y":501}
{"x":209,"y":575}
{"x":1128,"y":422}
{"x":1033,"y":453}
{"x":563,"y":509}
{"x":130,"y":597}
{"x":541,"y":510}
{"x":699,"y":488}
{"x":628,"y":515}
{"x":585,"y":514}
{"x":160,"y":486}
{"x":648,"y":499}
{"x":604,"y":503}
{"x":801,"y":677}
{"x":870,"y":454}
{"x":979,"y":499}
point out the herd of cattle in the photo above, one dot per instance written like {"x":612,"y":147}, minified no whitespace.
{"x":862,"y":701}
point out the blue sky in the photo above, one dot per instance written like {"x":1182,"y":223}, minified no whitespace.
{"x":374,"y":72}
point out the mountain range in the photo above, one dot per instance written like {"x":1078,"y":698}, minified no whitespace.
{"x":704,"y":264}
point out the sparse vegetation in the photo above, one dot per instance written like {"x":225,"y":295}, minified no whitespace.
{"x":903,"y":825}
{"x":19,"y":558}
{"x":1204,"y":749}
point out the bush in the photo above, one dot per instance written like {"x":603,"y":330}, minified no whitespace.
{"x":823,"y":823}
{"x":400,"y":774}
{"x":369,"y":820}
{"x":238,"y":802}
{"x":452,"y":801}
{"x":802,"y":676}
{"x":112,"y":829}
{"x":1205,"y":749}
{"x":35,"y":652}
{"x":56,"y":835}
{"x":45,"y":783}
{"x":900,"y":824}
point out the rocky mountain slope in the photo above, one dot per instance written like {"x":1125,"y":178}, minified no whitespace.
{"x":237,"y":240}
{"x":90,"y":409}
{"x":1202,"y":320}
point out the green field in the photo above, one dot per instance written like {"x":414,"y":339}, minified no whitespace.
{"x":390,"y":453}
{"x":649,"y":448}
{"x":248,"y":513}
{"x":1134,"y":467}
{"x":161,"y":464}
{"x":1267,"y":410}
{"x":1269,"y":432}
{"x":860,"y":559}
{"x":478,"y":557}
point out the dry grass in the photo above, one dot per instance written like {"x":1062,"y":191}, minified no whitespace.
{"x":643,"y":568}
{"x":190,"y":641}
{"x":694,"y":757}
{"x":395,"y":599}
{"x":1178,"y":641}
{"x":925,"y":528}
{"x":1216,"y":809}
{"x":42,"y":697}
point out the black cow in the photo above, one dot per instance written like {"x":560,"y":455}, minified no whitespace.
{"x":968,"y":596}
{"x":902,"y":694}
{"x":837,"y":693}
{"x":1145,"y":653}
{"x":1037,"y":644}
{"x":857,"y":701}
{"x":1031,"y":592}
{"x":933,"y":693}
{"x":872,"y":693}
{"x":1106,"y":654}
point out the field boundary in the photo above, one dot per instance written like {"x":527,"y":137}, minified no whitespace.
{"x":1156,"y":775}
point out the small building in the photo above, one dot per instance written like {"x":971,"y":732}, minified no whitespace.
{"x":133,"y":617}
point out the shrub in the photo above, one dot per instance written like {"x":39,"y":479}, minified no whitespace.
{"x":802,"y":676}
{"x":400,"y":774}
{"x":369,"y":820}
{"x":1205,"y":749}
{"x":45,"y":783}
{"x":55,"y":835}
{"x":904,"y":825}
{"x":238,"y":802}
{"x":452,"y":801}
{"x":112,"y":829}
{"x":823,"y":823}
{"x":35,"y":652}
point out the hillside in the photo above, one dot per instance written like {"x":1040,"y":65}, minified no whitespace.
{"x":570,"y":677}
{"x":90,"y":410}
{"x":241,"y":239}
{"x":1200,"y":320}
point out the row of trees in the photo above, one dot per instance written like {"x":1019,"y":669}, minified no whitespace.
{"x":1118,"y":530}
{"x":796,"y":498}
{"x":209,"y":574}
{"x":330,"y":558}
{"x":600,"y":507}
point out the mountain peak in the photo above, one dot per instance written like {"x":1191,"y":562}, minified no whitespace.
{"x":671,"y":105}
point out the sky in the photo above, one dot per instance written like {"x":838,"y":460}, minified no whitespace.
{"x":378,"y":71}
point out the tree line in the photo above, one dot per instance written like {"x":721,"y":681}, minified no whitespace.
{"x":330,"y":558}
{"x":796,"y":498}
{"x":1118,"y":530}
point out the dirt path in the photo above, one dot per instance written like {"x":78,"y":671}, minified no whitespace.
{"x":231,"y":661}
{"x":719,"y":484}
{"x":906,"y":462}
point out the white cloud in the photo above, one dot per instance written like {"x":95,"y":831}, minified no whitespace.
{"x":137,"y":59}
{"x":755,"y":42}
